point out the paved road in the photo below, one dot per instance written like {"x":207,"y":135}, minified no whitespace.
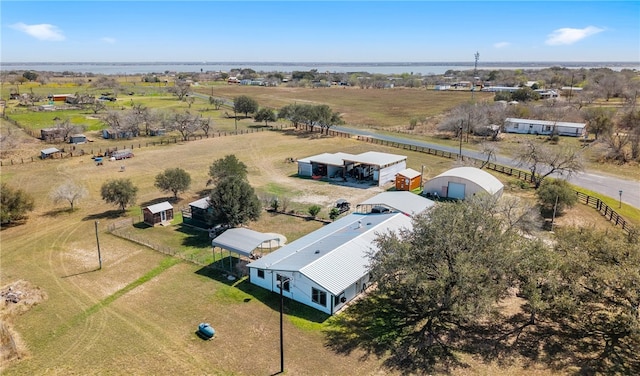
{"x":602,"y":184}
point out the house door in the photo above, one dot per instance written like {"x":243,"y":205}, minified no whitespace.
{"x":163,"y":216}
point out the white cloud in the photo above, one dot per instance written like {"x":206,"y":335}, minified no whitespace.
{"x":108,"y":40}
{"x":40,"y":31}
{"x":567,"y":35}
{"x":501,"y":44}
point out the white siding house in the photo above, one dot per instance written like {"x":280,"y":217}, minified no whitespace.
{"x":544,"y":127}
{"x":329,"y":267}
{"x":463,"y":182}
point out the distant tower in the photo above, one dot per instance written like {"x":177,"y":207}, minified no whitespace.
{"x":475,"y":73}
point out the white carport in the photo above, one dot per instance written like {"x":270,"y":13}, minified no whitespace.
{"x":324,"y":165}
{"x":244,"y":242}
{"x":380,"y":167}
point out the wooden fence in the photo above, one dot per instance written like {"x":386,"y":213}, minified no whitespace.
{"x":75,"y":151}
{"x":592,"y":201}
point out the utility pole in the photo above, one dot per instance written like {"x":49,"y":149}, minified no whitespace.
{"x":460,"y":151}
{"x":475,"y":73}
{"x":98,"y":243}
{"x":282,"y":282}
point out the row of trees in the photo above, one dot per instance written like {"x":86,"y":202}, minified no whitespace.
{"x":465,"y":280}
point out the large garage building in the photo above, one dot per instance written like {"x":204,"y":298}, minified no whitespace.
{"x":376,"y":167}
{"x":463,"y":182}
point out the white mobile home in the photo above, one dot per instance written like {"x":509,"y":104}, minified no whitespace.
{"x":329,"y":267}
{"x":544,"y":127}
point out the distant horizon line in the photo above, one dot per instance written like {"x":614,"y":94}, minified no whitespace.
{"x":372,"y":63}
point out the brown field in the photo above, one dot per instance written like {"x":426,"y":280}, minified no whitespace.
{"x":138,"y":314}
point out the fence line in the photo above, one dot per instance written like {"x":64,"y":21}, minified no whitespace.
{"x":603,"y":208}
{"x":73,"y":152}
{"x":116,"y":229}
{"x":592,"y":201}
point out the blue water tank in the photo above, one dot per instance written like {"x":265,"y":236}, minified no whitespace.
{"x":206,"y":330}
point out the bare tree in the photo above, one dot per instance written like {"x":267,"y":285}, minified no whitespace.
{"x":205,"y":125}
{"x":70,"y":192}
{"x":489,"y":151}
{"x":66,"y":129}
{"x":180,"y":89}
{"x":98,"y":106}
{"x":543,"y":161}
{"x":183,"y":122}
{"x":216,"y":102}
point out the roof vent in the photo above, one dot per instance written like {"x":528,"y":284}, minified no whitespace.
{"x":317,"y":251}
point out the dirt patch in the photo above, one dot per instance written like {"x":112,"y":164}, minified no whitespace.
{"x":15,"y":299}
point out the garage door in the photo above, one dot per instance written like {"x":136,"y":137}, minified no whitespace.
{"x":456,"y":190}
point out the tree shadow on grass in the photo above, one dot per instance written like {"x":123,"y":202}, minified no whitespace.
{"x":56,"y":212}
{"x":157,"y":201}
{"x":109,"y":214}
{"x":195,"y":237}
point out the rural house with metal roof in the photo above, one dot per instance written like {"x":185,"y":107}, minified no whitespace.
{"x":330,"y":266}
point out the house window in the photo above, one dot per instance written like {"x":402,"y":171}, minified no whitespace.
{"x":285,"y":284}
{"x":319,"y":297}
{"x":260,"y":273}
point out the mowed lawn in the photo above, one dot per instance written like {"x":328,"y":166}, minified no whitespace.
{"x":138,"y":314}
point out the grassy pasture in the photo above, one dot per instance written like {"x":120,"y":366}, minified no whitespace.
{"x":138,"y":314}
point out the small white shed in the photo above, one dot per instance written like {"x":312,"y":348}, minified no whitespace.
{"x":463,"y":182}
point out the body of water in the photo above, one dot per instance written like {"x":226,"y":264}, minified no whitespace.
{"x":424,"y":69}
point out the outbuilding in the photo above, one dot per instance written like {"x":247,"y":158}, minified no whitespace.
{"x":49,"y":153}
{"x":158,"y":214}
{"x":408,"y":180}
{"x":77,"y":139}
{"x":198,"y":213}
{"x":372,"y":166}
{"x":463,"y":182}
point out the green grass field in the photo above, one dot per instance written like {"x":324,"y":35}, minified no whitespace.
{"x":139,"y":313}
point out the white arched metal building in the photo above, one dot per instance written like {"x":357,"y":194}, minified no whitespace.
{"x":463,"y":182}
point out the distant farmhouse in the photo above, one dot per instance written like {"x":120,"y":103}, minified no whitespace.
{"x":329,"y":267}
{"x":544,"y":127}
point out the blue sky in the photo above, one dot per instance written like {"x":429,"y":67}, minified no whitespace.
{"x":322,"y":31}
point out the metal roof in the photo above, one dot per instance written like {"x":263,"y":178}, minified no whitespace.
{"x":202,"y":203}
{"x":403,"y":201}
{"x":242,"y":240}
{"x":484,"y":179}
{"x":49,"y":151}
{"x":409,"y":173}
{"x":333,"y":159}
{"x":337,"y":255}
{"x":377,"y":158}
{"x":160,"y":207}
{"x":546,"y":122}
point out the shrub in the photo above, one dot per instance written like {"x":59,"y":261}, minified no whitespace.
{"x":314,"y":210}
{"x":555,"y":189}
